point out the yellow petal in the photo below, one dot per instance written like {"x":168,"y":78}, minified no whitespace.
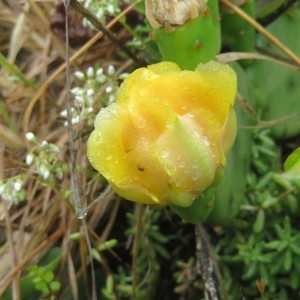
{"x":228,"y":133}
{"x":121,"y":151}
{"x":212,"y":87}
{"x":165,"y":139}
{"x":186,"y":156}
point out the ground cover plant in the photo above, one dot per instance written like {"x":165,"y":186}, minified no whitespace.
{"x":242,"y":243}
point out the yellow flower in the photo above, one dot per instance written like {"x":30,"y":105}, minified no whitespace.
{"x":165,"y":139}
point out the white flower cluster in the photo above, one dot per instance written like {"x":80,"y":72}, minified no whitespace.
{"x":100,"y":9}
{"x":45,"y":158}
{"x":11,"y":190}
{"x":87,"y":95}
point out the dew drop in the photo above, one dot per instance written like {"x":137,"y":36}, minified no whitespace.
{"x":81,"y":213}
{"x":140,"y":123}
{"x":146,"y":184}
{"x":195,"y":164}
{"x":164,"y":154}
{"x":113,"y":111}
{"x":206,"y":141}
{"x":190,"y":115}
{"x":196,"y":133}
{"x":169,"y":123}
{"x":196,"y":176}
{"x":181,"y":165}
{"x":108,"y":157}
{"x":177,"y":183}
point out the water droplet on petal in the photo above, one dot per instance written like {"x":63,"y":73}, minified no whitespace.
{"x":195,"y":164}
{"x":196,"y":133}
{"x":141,"y":123}
{"x":108,"y":157}
{"x":183,"y":107}
{"x":206,"y":141}
{"x":190,"y":115}
{"x":196,"y":176}
{"x":146,"y":184}
{"x":181,"y":164}
{"x":164,"y":154}
{"x":176,"y":183}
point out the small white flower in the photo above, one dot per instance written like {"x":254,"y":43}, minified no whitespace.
{"x":111,"y":70}
{"x":29,"y":159}
{"x":44,"y":144}
{"x":123,"y":75}
{"x":44,"y":171}
{"x":64,"y":113}
{"x":101,"y":79}
{"x":90,"y":92}
{"x":18,"y":185}
{"x":75,"y":119}
{"x":2,"y":189}
{"x":111,"y":98}
{"x":75,"y":90}
{"x":90,"y":73}
{"x":59,"y":173}
{"x":110,"y":8}
{"x":80,"y":75}
{"x":54,"y":148}
{"x":109,"y":89}
{"x":79,"y":100}
{"x":99,"y":72}
{"x":100,"y":13}
{"x":30,"y":137}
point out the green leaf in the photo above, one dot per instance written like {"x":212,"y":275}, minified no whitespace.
{"x":259,"y":221}
{"x":288,"y":260}
{"x":295,"y":249}
{"x":42,"y":286}
{"x":251,"y":271}
{"x":36,"y":279}
{"x":55,"y":286}
{"x":278,"y":245}
{"x":48,"y":276}
{"x":14,"y":70}
{"x":293,"y":160}
{"x":294,"y":280}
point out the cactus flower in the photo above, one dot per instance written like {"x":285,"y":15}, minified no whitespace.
{"x":165,"y":139}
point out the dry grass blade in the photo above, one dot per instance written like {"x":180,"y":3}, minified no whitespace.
{"x":229,"y":57}
{"x":10,"y":138}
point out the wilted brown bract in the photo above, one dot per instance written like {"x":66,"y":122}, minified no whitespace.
{"x":172,"y":12}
